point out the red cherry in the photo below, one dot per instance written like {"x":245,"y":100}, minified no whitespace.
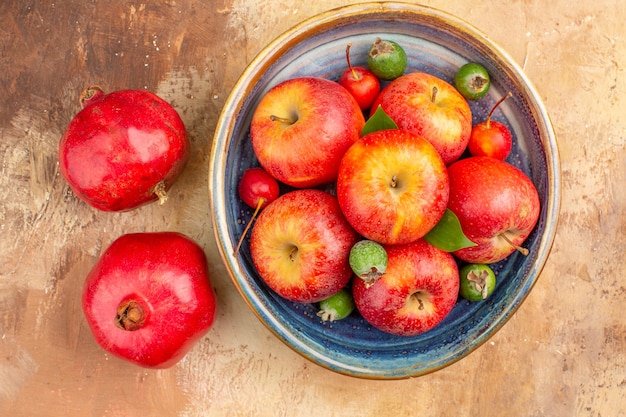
{"x":362,"y":84}
{"x":491,"y":138}
{"x":257,"y":188}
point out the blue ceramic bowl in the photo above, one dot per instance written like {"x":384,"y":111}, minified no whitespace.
{"x":437,"y":43}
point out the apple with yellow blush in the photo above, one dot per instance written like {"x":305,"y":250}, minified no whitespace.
{"x":301,"y":128}
{"x":431,"y":108}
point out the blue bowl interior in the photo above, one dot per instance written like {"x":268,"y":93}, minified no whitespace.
{"x":437,"y":44}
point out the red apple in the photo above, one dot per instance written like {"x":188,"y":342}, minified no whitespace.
{"x":148,"y":299}
{"x":418,"y":290}
{"x":300,"y":246}
{"x":302,"y":127}
{"x":392,"y":186}
{"x":497,"y":206}
{"x":431,"y":108}
{"x":491,"y":138}
{"x":123,"y":149}
{"x":360,"y":82}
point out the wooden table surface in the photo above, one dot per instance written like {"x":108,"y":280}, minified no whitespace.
{"x":562,"y":354}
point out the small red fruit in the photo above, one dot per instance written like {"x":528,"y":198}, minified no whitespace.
{"x":123,"y":149}
{"x":257,"y":188}
{"x":360,"y":82}
{"x":148,"y":299}
{"x":491,"y":138}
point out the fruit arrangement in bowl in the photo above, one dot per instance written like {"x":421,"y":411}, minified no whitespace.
{"x":383,"y":206}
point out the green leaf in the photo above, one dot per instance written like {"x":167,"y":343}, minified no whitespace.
{"x":447,"y":234}
{"x":379,"y":121}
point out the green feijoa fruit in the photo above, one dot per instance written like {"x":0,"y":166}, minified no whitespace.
{"x":386,"y":59}
{"x":336,"y":307}
{"x":368,"y":260}
{"x":472,"y":81}
{"x":477,"y":282}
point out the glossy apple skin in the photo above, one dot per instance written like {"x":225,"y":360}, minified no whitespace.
{"x":445,"y":122}
{"x":379,"y":211}
{"x":120,"y":146}
{"x":362,"y":84}
{"x":166,"y":274}
{"x":300,"y":246}
{"x":415,"y":270}
{"x":490,"y":138}
{"x":305,"y":153}
{"x":491,"y":197}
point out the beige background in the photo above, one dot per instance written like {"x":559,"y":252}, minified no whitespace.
{"x":562,"y":354}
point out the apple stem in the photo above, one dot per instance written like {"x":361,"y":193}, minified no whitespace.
{"x":245,"y":231}
{"x":419,"y":301}
{"x":129,"y":316}
{"x":355,"y":75}
{"x":520,"y":249}
{"x":433,"y":96}
{"x":292,"y":253}
{"x":160,"y":192}
{"x":285,"y":120}
{"x":394,"y":182}
{"x":495,"y":106}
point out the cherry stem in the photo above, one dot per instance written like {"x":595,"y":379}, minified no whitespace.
{"x":130,"y":316}
{"x":433,"y":96}
{"x":355,"y":75}
{"x":245,"y":231}
{"x":520,"y":249}
{"x":285,"y":120}
{"x":90,"y":94}
{"x":495,"y":106}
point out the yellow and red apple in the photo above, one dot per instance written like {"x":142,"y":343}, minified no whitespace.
{"x":392,"y":186}
{"x":431,"y":108}
{"x":300,"y":245}
{"x":302,"y":127}
{"x":418,"y":290}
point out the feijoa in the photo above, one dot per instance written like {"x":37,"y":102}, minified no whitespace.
{"x":477,"y":282}
{"x":336,"y":307}
{"x":386,"y":59}
{"x":472,"y":81}
{"x":368,"y":260}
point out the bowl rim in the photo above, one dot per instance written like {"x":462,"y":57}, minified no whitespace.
{"x":263,"y":60}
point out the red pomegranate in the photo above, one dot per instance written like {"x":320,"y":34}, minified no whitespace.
{"x":149,"y":298}
{"x":123,"y":149}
